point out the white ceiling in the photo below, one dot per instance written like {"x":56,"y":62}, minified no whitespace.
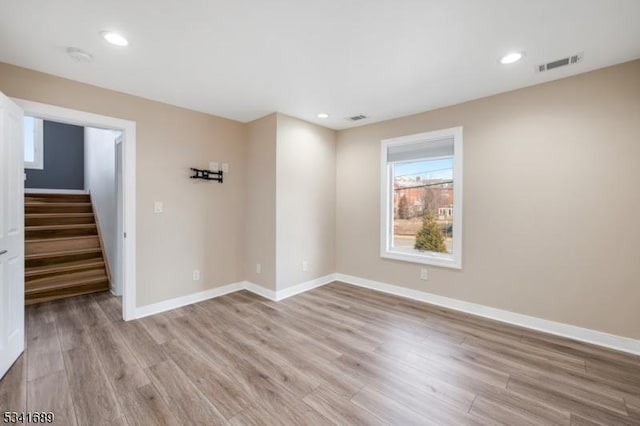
{"x":243,"y":59}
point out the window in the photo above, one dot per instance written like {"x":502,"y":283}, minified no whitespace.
{"x":422,"y":198}
{"x":33,"y":146}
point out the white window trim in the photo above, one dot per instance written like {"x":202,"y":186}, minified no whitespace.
{"x":386,"y":204}
{"x":38,"y":145}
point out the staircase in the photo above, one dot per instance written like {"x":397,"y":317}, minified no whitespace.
{"x":63,"y":251}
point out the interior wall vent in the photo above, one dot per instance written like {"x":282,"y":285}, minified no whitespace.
{"x":569,"y":60}
{"x":357,"y":117}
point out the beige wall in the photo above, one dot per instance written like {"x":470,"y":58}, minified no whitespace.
{"x":305,"y":206}
{"x":203,"y":220}
{"x":261,"y":202}
{"x":551,"y":201}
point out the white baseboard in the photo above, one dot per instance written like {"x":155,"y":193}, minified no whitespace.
{"x":178,"y":302}
{"x":611,"y":341}
{"x":586,"y":335}
{"x":289,"y":291}
{"x":54,"y":191}
{"x":306,"y":286}
{"x":260,"y":291}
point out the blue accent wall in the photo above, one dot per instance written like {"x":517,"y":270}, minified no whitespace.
{"x":63,"y":158}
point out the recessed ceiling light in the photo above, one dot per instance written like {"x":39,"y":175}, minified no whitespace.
{"x":114,"y":38}
{"x":512,"y":57}
{"x":323,"y":115}
{"x":79,"y":55}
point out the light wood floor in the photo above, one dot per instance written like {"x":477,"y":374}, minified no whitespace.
{"x":335,"y":355}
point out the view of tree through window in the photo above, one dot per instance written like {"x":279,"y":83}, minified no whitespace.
{"x":423,"y":205}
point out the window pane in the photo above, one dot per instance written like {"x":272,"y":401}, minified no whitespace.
{"x":29,"y":139}
{"x":423,"y":206}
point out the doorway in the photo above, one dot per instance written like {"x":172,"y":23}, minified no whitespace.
{"x":125,"y":188}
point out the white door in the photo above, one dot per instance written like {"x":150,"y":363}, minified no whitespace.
{"x":11,"y":234}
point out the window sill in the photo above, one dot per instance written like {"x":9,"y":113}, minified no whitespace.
{"x":433,"y":260}
{"x":33,"y":166}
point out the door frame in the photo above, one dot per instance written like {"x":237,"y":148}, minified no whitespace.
{"x":128,"y":128}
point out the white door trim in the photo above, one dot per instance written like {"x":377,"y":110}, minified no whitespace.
{"x":82,"y":118}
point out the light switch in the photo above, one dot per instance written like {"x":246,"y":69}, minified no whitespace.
{"x":213,"y":166}
{"x":225,"y":167}
{"x":158,"y":207}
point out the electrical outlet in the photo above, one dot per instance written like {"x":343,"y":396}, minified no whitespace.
{"x":158,"y":207}
{"x":225,"y":167}
{"x":213,"y":166}
{"x":305,"y":265}
{"x":424,"y":274}
{"x":196,"y":275}
{"x":258,"y":268}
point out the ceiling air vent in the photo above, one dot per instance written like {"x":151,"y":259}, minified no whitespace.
{"x":569,"y":60}
{"x":357,"y":117}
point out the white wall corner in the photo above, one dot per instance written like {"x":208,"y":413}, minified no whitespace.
{"x":611,"y":341}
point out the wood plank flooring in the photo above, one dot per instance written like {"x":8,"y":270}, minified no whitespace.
{"x":335,"y":355}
